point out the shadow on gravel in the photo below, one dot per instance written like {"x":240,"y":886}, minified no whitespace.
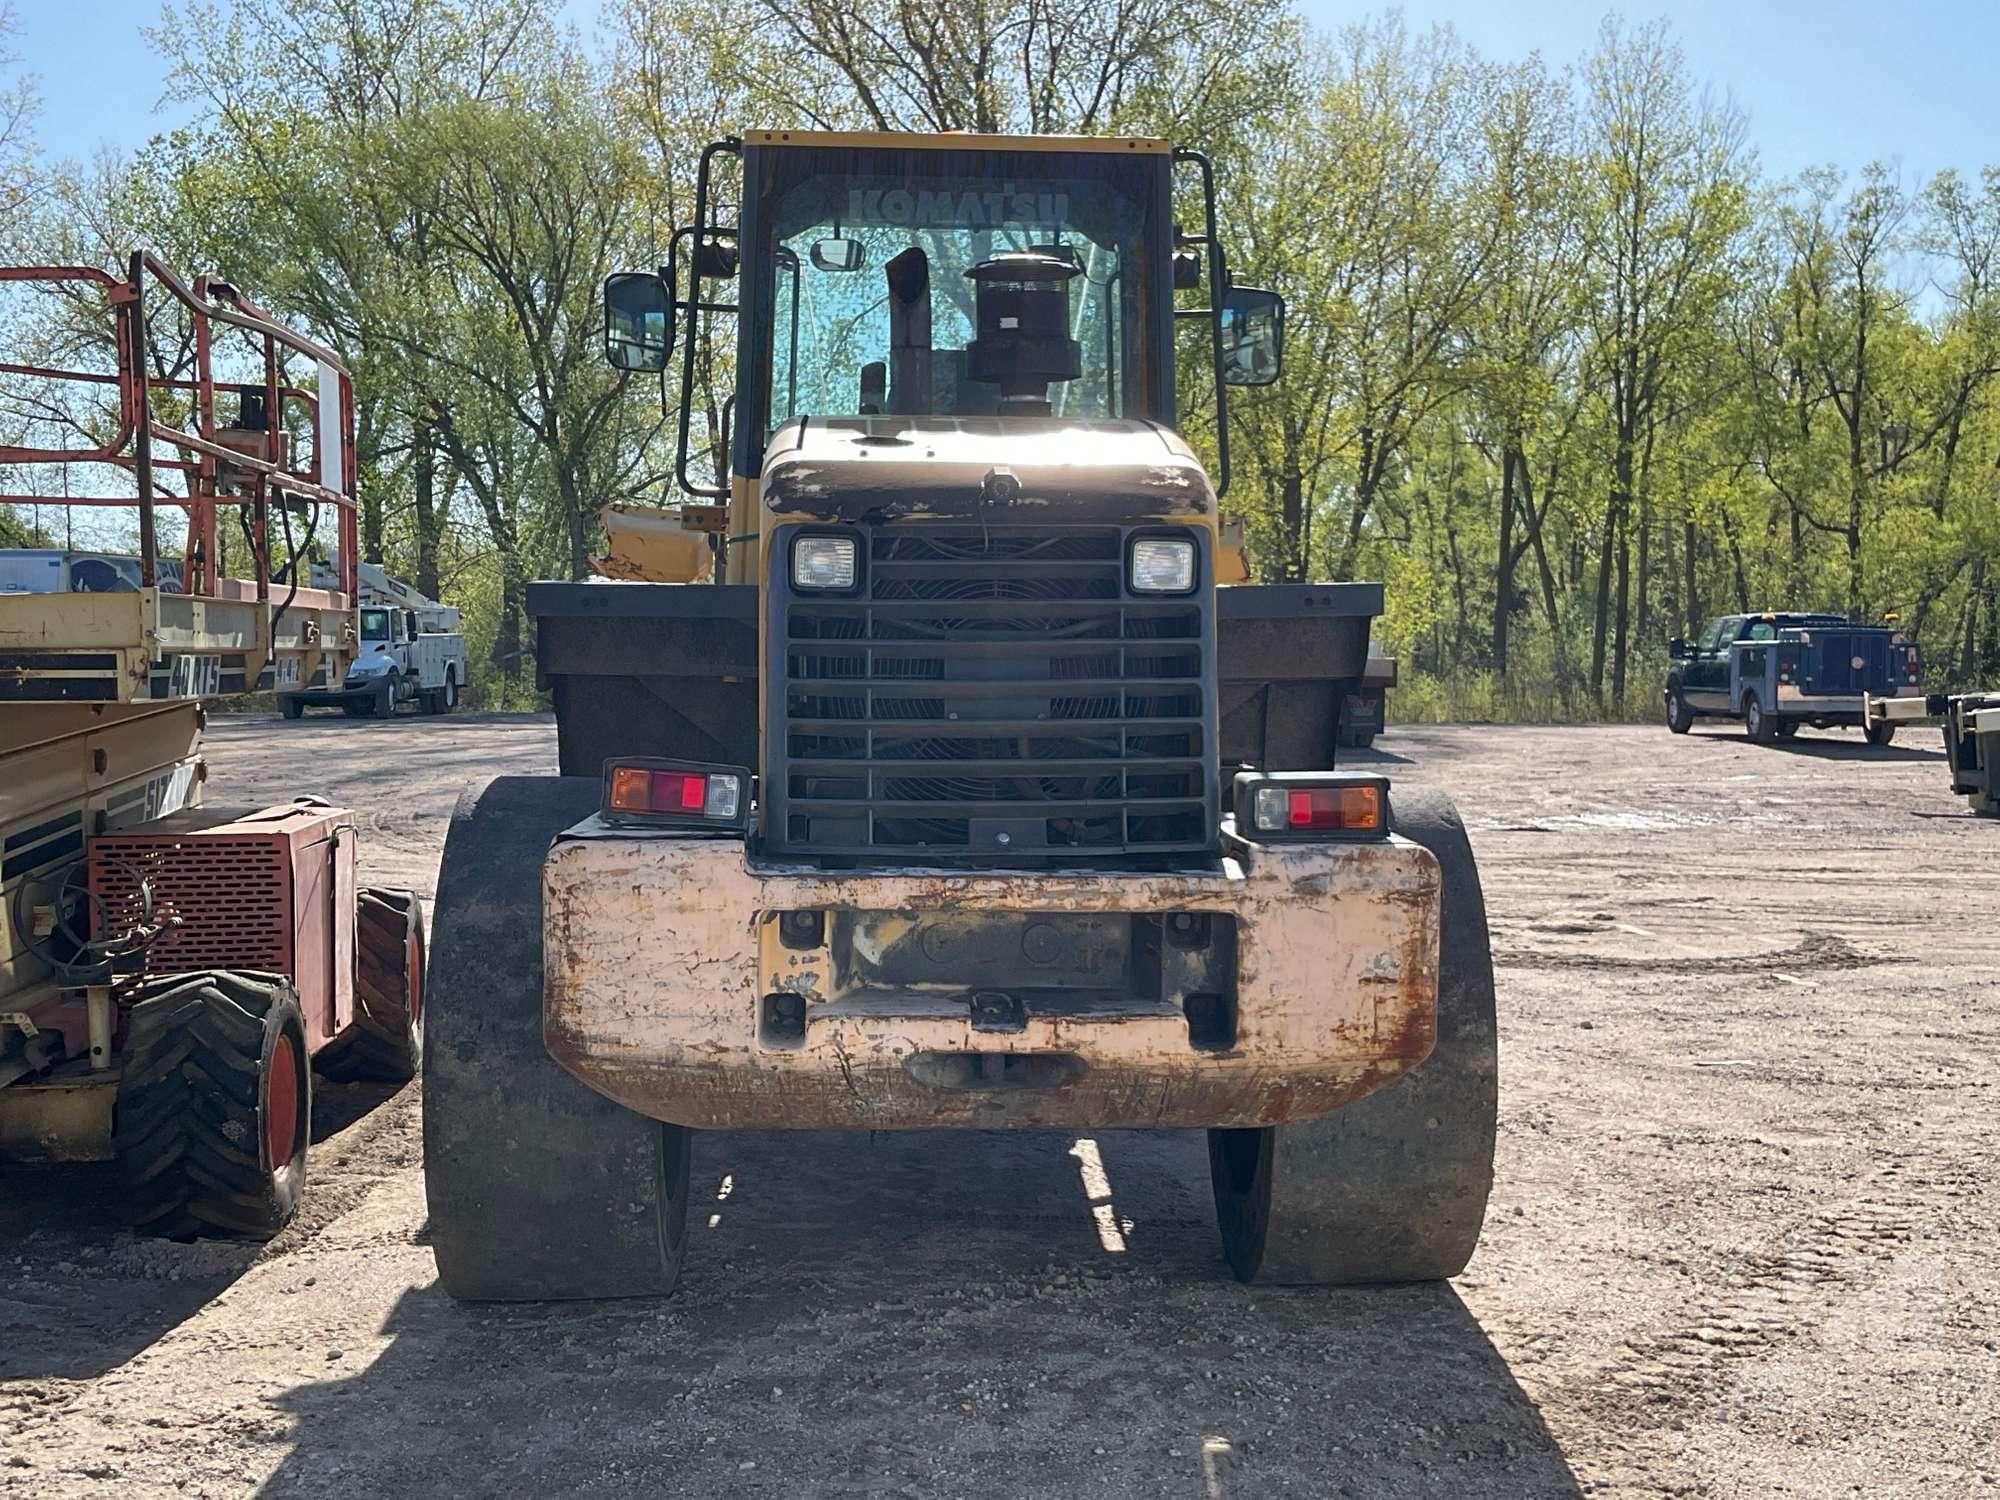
{"x":936,"y":1314}
{"x":80,"y":1294}
{"x":1814,"y":749}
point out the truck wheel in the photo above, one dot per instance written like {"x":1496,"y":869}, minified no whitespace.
{"x":431,"y":699}
{"x":214,"y":1105}
{"x":291,"y":708}
{"x":1393,"y":1187}
{"x":385,"y":700}
{"x":1880,"y":734}
{"x":385,"y":1042}
{"x":450,"y":690}
{"x":1788,"y":729}
{"x":1757,"y":722}
{"x":1680,"y":718}
{"x":539,"y":1187}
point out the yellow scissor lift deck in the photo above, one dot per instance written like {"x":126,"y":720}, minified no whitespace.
{"x":159,"y":965}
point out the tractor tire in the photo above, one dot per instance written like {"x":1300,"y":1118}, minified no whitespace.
{"x":1880,"y":734}
{"x":539,"y":1187}
{"x":385,"y":1041}
{"x":214,"y":1105}
{"x":1393,"y":1187}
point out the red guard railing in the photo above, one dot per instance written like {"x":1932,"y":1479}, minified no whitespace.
{"x":250,"y":470}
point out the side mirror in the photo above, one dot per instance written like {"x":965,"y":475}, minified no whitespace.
{"x":1677,"y":648}
{"x":839,"y":254}
{"x":1253,"y":336}
{"x":638,"y":321}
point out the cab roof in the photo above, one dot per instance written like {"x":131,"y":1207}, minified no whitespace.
{"x":961,"y":140}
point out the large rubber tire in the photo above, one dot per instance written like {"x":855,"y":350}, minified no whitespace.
{"x":1393,"y":1187}
{"x":1680,"y":718}
{"x":383,"y":704}
{"x":385,"y":1042}
{"x":1880,"y":734}
{"x":1758,"y":722}
{"x":539,"y":1188}
{"x":214,"y":1105}
{"x":450,"y":690}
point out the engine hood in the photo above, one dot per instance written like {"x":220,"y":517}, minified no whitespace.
{"x":992,"y":468}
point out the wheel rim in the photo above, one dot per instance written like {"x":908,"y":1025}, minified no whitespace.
{"x":281,"y":1106}
{"x":413,"y":969}
{"x":1756,"y":716}
{"x":1674,"y":709}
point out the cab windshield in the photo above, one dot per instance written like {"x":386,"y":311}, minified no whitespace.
{"x":955,"y":283}
{"x":374,"y":624}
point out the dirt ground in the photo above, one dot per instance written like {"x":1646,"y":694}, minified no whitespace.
{"x":1742,"y":1242}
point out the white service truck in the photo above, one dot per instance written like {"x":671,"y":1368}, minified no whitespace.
{"x":411,"y":652}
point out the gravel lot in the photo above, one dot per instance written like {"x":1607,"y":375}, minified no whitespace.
{"x":1742,"y":1242}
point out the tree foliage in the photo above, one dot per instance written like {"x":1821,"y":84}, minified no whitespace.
{"x":1563,"y":367}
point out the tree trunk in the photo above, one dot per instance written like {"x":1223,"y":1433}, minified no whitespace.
{"x":1292,"y":566}
{"x":424,"y":493}
{"x":1692,"y":614}
{"x":1503,"y":582}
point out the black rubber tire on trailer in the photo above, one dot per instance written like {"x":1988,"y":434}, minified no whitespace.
{"x":1759,"y":724}
{"x":214,"y":1105}
{"x":385,"y":1043}
{"x":1880,"y":734}
{"x":539,"y":1188}
{"x":1680,"y":718}
{"x":1393,"y":1187}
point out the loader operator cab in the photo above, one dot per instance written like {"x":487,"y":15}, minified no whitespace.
{"x":944,"y":276}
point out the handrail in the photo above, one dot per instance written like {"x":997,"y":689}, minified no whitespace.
{"x":250,"y":478}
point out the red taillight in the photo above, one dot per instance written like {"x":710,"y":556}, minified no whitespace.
{"x":1348,"y":809}
{"x":676,"y":793}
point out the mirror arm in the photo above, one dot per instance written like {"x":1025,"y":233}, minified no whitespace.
{"x":732,"y":146}
{"x":1218,"y":282}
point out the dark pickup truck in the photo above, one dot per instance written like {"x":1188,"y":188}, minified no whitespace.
{"x":1778,"y":672}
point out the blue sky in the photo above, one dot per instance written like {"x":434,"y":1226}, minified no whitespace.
{"x":1841,"y":81}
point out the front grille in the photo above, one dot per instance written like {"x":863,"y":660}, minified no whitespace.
{"x":991,"y":696}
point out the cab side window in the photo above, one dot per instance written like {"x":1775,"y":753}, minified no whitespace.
{"x":1718,"y":632}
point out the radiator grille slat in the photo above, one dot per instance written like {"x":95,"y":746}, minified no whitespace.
{"x":993,"y":694}
{"x":232,"y":894}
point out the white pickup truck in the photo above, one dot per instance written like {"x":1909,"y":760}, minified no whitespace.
{"x":411,"y":652}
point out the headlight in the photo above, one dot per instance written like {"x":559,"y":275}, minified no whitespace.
{"x":1162,"y":565}
{"x":824,"y":563}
